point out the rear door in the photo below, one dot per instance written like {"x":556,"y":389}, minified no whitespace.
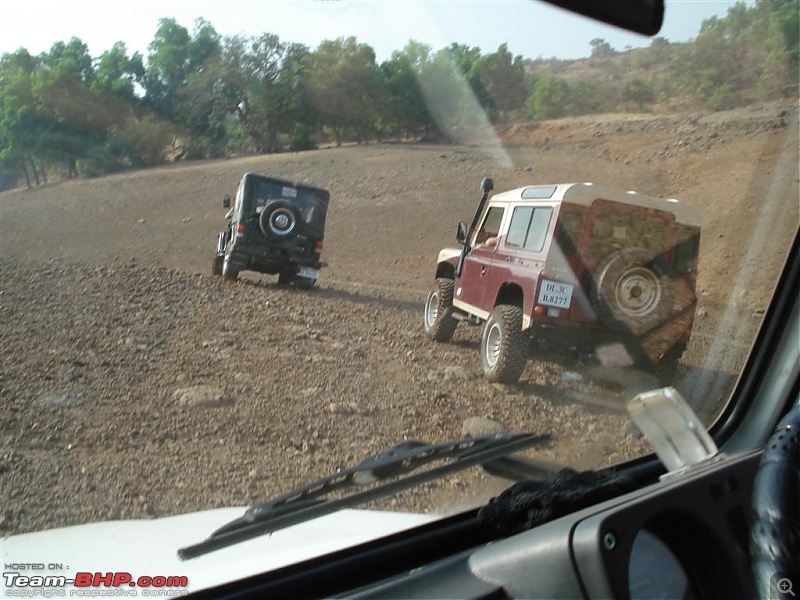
{"x":524,"y":251}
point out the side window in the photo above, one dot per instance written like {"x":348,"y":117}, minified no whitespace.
{"x":237,"y":206}
{"x":537,"y":232}
{"x":491,"y":226}
{"x":520,"y":220}
{"x":528,"y":228}
{"x":569,"y":231}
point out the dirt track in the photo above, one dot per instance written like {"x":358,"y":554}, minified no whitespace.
{"x":134,"y":384}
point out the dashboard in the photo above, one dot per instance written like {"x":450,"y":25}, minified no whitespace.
{"x":683,"y":537}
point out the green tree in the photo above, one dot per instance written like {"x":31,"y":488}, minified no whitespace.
{"x":343,"y":81}
{"x":549,"y":97}
{"x":503,"y":78}
{"x":403,"y":107}
{"x":637,"y":91}
{"x":19,"y":120}
{"x":175,"y":56}
{"x":118,"y":74}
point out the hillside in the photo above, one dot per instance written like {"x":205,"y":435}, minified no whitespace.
{"x":136,"y":385}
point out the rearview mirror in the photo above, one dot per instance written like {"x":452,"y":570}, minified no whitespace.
{"x":639,"y":16}
{"x":226,"y":201}
{"x":461,"y":232}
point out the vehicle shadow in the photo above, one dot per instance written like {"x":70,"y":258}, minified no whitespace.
{"x":373,"y":295}
{"x":581,"y":378}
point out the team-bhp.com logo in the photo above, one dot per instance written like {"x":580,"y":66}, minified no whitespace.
{"x":84,"y":583}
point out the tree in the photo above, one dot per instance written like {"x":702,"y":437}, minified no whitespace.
{"x":343,"y":86}
{"x":637,"y":91}
{"x":503,"y":78}
{"x":118,"y":74}
{"x":549,"y":97}
{"x":601,"y":48}
{"x":18,"y":119}
{"x":173,"y":56}
{"x":403,"y":106}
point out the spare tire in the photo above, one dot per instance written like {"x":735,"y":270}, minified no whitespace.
{"x":280,"y":220}
{"x":632,"y":292}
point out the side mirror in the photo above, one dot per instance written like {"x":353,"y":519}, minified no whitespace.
{"x":461,"y":232}
{"x":226,"y":201}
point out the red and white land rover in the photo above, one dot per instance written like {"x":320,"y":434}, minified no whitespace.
{"x":574,"y":263}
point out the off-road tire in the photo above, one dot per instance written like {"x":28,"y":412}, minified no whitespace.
{"x":228,"y":273}
{"x":438,"y":317}
{"x":631,"y":292}
{"x":504,"y":346}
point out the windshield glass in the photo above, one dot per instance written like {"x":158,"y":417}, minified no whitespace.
{"x":160,"y":358}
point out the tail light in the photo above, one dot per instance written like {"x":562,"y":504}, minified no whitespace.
{"x":318,"y":246}
{"x":240,"y":229}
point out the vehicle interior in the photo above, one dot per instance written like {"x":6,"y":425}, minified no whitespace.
{"x":189,"y":394}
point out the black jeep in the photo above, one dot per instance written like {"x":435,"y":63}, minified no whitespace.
{"x":275,"y":226}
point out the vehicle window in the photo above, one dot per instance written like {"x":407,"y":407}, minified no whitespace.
{"x":528,"y":228}
{"x":491,"y":225}
{"x":537,"y":231}
{"x":569,"y":230}
{"x":614,"y":229}
{"x":518,"y":229}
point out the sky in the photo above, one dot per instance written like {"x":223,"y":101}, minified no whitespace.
{"x":529,"y":27}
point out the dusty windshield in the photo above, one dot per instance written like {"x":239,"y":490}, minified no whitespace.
{"x":138,"y":383}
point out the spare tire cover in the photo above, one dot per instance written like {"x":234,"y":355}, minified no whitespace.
{"x":279,"y":219}
{"x":632,"y":292}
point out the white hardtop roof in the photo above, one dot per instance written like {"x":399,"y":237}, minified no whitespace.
{"x":586,"y":193}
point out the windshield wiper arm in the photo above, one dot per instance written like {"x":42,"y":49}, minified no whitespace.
{"x":309,"y":501}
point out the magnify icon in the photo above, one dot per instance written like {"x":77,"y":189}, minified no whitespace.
{"x":785,"y":586}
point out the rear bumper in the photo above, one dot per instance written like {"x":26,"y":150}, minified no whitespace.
{"x":269,"y":259}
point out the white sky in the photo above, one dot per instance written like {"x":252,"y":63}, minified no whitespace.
{"x":531,"y":28}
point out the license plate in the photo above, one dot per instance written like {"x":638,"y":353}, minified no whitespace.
{"x":553,"y":293}
{"x":308,"y":272}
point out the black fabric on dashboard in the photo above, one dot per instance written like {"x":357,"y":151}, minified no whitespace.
{"x":529,"y":503}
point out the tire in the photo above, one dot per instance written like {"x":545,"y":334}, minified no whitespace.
{"x":228,"y":273}
{"x":216,"y":266}
{"x":279,"y":220}
{"x":504,"y":346}
{"x":631,"y":292}
{"x":285,"y":277}
{"x":438,"y":317}
{"x":304,"y":283}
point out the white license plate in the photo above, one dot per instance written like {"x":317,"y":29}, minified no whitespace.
{"x":554,"y":293}
{"x":308,"y":272}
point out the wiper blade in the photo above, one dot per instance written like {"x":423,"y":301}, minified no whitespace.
{"x":310,"y":501}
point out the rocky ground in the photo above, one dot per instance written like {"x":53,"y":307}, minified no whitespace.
{"x":134,"y":384}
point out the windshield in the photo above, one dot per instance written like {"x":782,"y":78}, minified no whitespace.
{"x":157,"y":361}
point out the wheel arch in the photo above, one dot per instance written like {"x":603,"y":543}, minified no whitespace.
{"x":445,"y":270}
{"x":510,"y":293}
